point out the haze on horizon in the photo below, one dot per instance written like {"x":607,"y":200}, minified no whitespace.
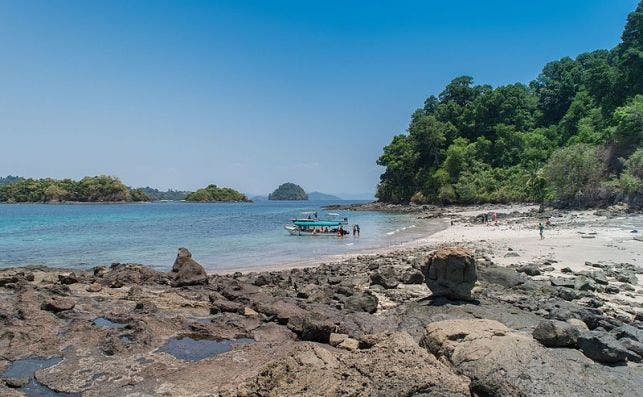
{"x":251,"y":95}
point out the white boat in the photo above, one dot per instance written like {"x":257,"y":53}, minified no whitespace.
{"x":310,"y":225}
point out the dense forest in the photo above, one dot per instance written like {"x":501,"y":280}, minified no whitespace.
{"x":572,"y":136}
{"x":156,"y":195}
{"x":101,"y":188}
{"x":288,"y":191}
{"x":215,"y":193}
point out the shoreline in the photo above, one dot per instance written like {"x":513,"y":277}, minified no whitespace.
{"x":369,"y":323}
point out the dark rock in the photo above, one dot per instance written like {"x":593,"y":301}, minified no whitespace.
{"x":67,"y":279}
{"x":18,"y":277}
{"x":502,"y":276}
{"x":511,"y":254}
{"x":386,"y":277}
{"x":626,"y":277}
{"x":57,"y":304}
{"x":583,"y":283}
{"x":187,"y":271}
{"x":531,"y":270}
{"x":562,"y":282}
{"x":15,"y":383}
{"x":226,"y":306}
{"x":412,"y":276}
{"x":566,"y":270}
{"x":602,"y":347}
{"x":633,"y":346}
{"x":361,"y":301}
{"x":599,"y":277}
{"x":612,"y":289}
{"x":121,"y":274}
{"x":553,"y":333}
{"x":315,"y":329}
{"x":450,"y":272}
{"x":629,"y":332}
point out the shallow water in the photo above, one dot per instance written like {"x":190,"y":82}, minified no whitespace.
{"x":194,"y":348}
{"x":103,"y":322}
{"x":25,"y":369}
{"x":219,"y":235}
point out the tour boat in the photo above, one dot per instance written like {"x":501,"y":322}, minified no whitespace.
{"x":310,"y":225}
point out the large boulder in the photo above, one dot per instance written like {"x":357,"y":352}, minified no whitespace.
{"x":361,"y":302}
{"x":186,"y":271}
{"x":503,"y":362}
{"x":450,"y":272}
{"x":602,"y":347}
{"x":552,"y":333}
{"x":387,"y":277}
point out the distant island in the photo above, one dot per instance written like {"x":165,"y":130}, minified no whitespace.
{"x":213,"y":193}
{"x":318,"y":196}
{"x":91,"y":189}
{"x":288,"y":191}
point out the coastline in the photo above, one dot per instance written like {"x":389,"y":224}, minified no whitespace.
{"x":368,"y":322}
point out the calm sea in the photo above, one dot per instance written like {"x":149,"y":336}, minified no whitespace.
{"x":220,"y":236}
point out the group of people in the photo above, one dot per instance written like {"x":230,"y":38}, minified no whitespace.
{"x":341,"y":232}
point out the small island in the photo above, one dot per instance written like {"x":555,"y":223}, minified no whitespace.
{"x":90,"y":189}
{"x":213,"y":193}
{"x":288,"y":191}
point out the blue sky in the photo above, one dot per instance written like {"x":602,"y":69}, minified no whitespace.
{"x":250,"y":94}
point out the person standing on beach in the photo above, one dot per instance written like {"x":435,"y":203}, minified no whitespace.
{"x":541,"y":228}
{"x":354,"y":230}
{"x":357,"y":229}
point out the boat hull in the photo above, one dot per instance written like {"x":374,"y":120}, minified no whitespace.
{"x":296,"y":232}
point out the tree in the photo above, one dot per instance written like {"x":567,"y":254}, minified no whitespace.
{"x":573,"y":172}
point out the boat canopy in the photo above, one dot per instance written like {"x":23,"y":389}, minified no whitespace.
{"x":317,"y":223}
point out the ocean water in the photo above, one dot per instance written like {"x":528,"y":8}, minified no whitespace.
{"x":220,"y":235}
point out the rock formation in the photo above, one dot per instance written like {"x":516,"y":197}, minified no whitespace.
{"x":450,"y":272}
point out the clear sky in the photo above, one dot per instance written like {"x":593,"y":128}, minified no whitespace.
{"x":250,"y":94}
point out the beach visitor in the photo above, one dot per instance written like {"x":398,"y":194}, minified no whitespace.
{"x":541,"y":228}
{"x":354,"y":230}
{"x":357,"y":229}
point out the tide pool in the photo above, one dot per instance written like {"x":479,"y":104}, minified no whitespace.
{"x":220,"y":235}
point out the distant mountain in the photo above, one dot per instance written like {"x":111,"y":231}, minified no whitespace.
{"x":259,"y":198}
{"x":288,"y":191}
{"x":322,"y":196}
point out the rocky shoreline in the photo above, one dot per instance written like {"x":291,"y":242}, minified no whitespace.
{"x":390,"y":324}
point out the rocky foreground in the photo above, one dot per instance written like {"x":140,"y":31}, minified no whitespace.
{"x":435,"y":321}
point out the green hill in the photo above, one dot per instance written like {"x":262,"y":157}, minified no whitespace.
{"x":213,"y":193}
{"x":572,"y":136}
{"x":288,"y":191}
{"x":102,"y":188}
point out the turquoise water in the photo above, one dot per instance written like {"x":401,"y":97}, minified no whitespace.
{"x":220,"y":236}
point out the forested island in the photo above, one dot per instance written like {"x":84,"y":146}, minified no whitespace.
{"x":571,"y":136}
{"x":102,"y":188}
{"x":213,"y":193}
{"x":288,"y":191}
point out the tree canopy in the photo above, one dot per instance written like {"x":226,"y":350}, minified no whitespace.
{"x":102,"y":188}
{"x":213,"y":193}
{"x":476,"y":143}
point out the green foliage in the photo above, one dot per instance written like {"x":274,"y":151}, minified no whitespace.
{"x":156,"y":195}
{"x":10,"y":179}
{"x":101,"y":188}
{"x":574,"y":172}
{"x":288,"y":191}
{"x":476,"y":143}
{"x":213,"y":193}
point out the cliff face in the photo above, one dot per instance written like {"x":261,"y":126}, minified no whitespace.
{"x":288,"y":191}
